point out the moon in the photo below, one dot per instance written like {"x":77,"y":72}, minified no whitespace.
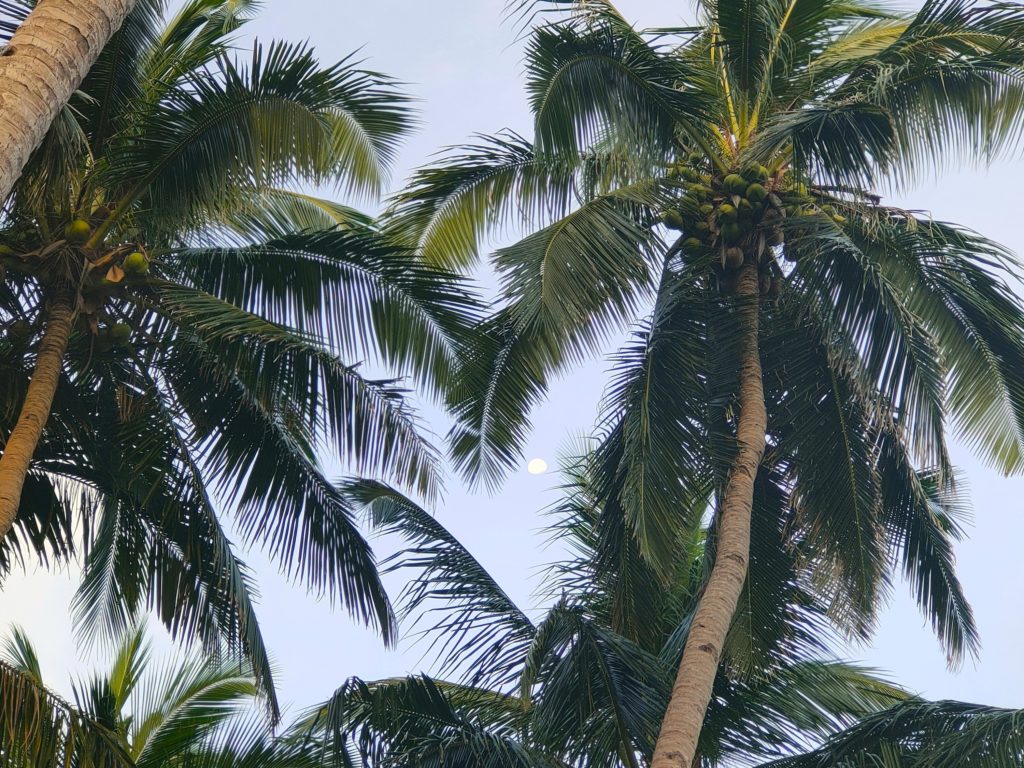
{"x":537,"y":467}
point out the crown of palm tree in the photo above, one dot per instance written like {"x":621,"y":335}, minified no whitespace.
{"x":880,"y":326}
{"x":193,"y":710}
{"x":586,"y":683}
{"x":219,"y":322}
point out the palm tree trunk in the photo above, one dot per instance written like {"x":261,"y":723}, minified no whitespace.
{"x":691,"y":694}
{"x":35,"y":411}
{"x":45,"y":61}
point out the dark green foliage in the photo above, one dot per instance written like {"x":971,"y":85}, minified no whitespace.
{"x":223,"y":327}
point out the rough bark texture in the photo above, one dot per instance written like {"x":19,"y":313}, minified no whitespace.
{"x":35,"y":411}
{"x":691,"y":693}
{"x":46,"y":60}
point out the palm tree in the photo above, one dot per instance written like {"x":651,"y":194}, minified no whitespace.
{"x":800,"y":327}
{"x":587,"y":683}
{"x":194,"y":710}
{"x":193,"y":328}
{"x":41,"y":65}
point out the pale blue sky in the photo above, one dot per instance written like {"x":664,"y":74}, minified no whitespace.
{"x":461,"y":60}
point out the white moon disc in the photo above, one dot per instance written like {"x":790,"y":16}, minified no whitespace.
{"x":537,"y":467}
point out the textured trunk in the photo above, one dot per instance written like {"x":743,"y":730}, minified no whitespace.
{"x":45,"y":62}
{"x":35,"y":411}
{"x":691,"y":694}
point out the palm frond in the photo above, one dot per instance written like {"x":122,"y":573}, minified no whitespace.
{"x":923,"y":734}
{"x":367,"y":296}
{"x":780,"y":714}
{"x":480,"y":632}
{"x":39,"y":729}
{"x":446,"y":209}
{"x":280,"y":119}
{"x":587,"y":80}
{"x":432,"y":723}
{"x":504,"y":374}
{"x":595,"y":695}
{"x":583,"y":275}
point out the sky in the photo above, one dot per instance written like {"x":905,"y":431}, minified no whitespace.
{"x":463,"y":63}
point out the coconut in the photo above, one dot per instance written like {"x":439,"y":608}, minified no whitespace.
{"x":136,"y":263}
{"x":701,"y":226}
{"x":694,"y":158}
{"x":692,"y":243}
{"x":744,"y":208}
{"x":733,"y":257}
{"x":756,"y":193}
{"x":6,"y":250}
{"x":77,"y":231}
{"x":672,"y":219}
{"x":707,"y":209}
{"x":755,"y":172}
{"x":120,"y":333}
{"x":727,"y":212}
{"x":699,"y":191}
{"x":839,"y":218}
{"x":734,"y":184}
{"x":731,"y":232}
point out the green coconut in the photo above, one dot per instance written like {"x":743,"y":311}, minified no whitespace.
{"x":734,"y":184}
{"x":727,"y":212}
{"x":692,"y":243}
{"x":733,"y":257}
{"x":77,"y":231}
{"x":839,"y":218}
{"x":6,"y":250}
{"x":699,"y":191}
{"x":702,"y":227}
{"x":755,"y":172}
{"x":673,"y":219}
{"x":695,"y":157}
{"x":744,"y":208}
{"x":731,"y":232}
{"x":120,"y":333}
{"x":756,"y":193}
{"x":136,"y":263}
{"x":707,"y":209}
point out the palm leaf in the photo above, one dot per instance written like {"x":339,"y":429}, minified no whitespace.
{"x":39,"y":729}
{"x":481,"y":633}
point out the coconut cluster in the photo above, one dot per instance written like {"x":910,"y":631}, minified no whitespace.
{"x":738,"y":216}
{"x":107,"y":270}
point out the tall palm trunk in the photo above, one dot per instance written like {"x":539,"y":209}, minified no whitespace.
{"x":691,"y":694}
{"x":46,"y":60}
{"x":35,"y":411}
